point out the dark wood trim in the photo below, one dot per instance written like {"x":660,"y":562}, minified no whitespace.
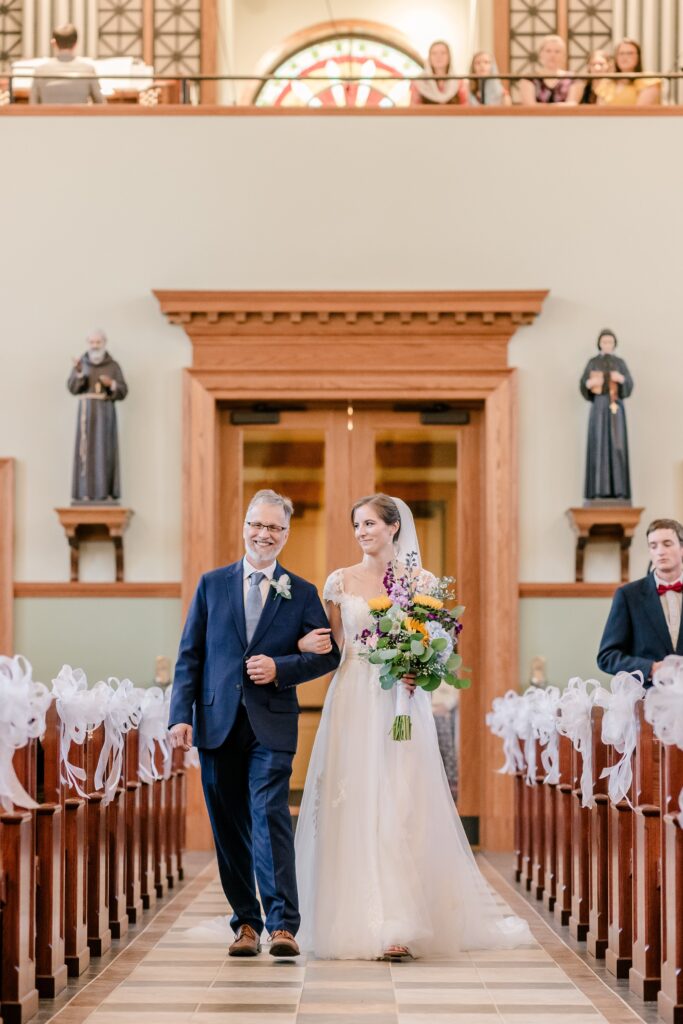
{"x":171,"y":590}
{"x":6,"y":555}
{"x":567,"y":589}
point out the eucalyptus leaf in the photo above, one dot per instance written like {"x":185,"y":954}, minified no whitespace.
{"x":387,"y":681}
{"x":439,"y":644}
{"x":376,"y":658}
{"x":385,"y":624}
{"x":454,"y":663}
{"x":416,"y":647}
{"x":388,"y":653}
{"x":458,"y":611}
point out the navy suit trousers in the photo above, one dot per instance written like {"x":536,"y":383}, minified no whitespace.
{"x":246,"y":787}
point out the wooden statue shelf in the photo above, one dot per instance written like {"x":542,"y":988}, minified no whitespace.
{"x":604,"y":522}
{"x":94,"y":522}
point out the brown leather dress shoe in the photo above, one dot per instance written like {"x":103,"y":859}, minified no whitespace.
{"x":246,"y":942}
{"x":283,"y":943}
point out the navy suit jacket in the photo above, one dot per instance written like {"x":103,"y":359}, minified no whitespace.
{"x":636,"y":633}
{"x":210,"y":675}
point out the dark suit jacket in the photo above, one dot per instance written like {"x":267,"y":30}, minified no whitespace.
{"x":210,"y":674}
{"x":636,"y":633}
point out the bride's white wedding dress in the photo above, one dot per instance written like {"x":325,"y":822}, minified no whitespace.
{"x":382,"y":858}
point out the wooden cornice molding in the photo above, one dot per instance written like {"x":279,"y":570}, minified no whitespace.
{"x":51,"y":589}
{"x":334,"y":313}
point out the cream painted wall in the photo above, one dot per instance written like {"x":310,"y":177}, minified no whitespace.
{"x":587,"y":207}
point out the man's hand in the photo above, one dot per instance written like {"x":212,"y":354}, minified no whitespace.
{"x":106,"y":380}
{"x":78,"y":365}
{"x":316,"y":642}
{"x":181,"y":736}
{"x":261,"y":669}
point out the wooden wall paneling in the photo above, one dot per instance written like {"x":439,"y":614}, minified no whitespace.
{"x":499,"y":591}
{"x":7,"y":484}
{"x":208,"y":44}
{"x":199,"y":490}
{"x":501,"y":34}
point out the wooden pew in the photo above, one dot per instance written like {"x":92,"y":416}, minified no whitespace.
{"x":18,"y":992}
{"x":99,"y":932}
{"x":159,"y":830}
{"x":76,"y":948}
{"x":578,"y":920}
{"x":116,"y":858}
{"x":519,"y":824}
{"x":596,"y":938}
{"x":148,"y":892}
{"x":133,"y":829}
{"x":550,"y":809}
{"x":171,"y":819}
{"x":180,"y":804}
{"x":619,"y":953}
{"x":51,"y":970}
{"x":670,"y":996}
{"x":538,"y":831}
{"x":563,"y":819}
{"x":644,"y":975}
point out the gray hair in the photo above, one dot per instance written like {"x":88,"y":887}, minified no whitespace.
{"x":269,"y":497}
{"x":96,"y":333}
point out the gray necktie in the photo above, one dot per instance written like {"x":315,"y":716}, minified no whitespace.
{"x":254,"y":604}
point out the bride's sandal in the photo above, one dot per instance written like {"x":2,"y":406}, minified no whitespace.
{"x":396,"y":954}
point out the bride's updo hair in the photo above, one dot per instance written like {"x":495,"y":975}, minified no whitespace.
{"x":385,"y":507}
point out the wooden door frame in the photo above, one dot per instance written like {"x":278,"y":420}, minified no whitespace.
{"x":427,"y":346}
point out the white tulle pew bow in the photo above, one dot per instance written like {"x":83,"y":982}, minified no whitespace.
{"x":619,"y":729}
{"x":23,"y":706}
{"x":574,"y":721}
{"x":122,"y":713}
{"x":664,"y":707}
{"x":80,"y":711}
{"x":153,"y":730}
{"x":502,"y":722}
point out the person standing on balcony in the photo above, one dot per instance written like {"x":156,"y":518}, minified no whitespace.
{"x":52,"y":81}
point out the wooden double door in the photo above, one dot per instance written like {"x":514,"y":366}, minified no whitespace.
{"x":325,"y":458}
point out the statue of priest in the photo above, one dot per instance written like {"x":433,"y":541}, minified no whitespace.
{"x":606,"y":383}
{"x":98,"y":381}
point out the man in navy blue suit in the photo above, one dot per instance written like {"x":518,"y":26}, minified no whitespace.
{"x":644,"y":623}
{"x":236,"y":676}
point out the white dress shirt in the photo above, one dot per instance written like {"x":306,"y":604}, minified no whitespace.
{"x":671,"y":606}
{"x":264,"y":585}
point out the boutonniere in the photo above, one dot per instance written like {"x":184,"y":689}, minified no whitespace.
{"x":282,"y":587}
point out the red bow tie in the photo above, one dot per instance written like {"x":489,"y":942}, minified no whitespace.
{"x":663,"y":587}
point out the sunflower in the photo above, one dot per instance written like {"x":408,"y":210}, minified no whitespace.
{"x":379,"y":604}
{"x":415,"y":626}
{"x":427,"y":601}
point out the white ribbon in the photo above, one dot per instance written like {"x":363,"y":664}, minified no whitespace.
{"x":191,"y":759}
{"x":544,"y":722}
{"x":664,"y":701}
{"x":664,"y":708}
{"x":403,"y":705}
{"x":619,"y":729}
{"x":80,"y":711}
{"x":153,"y":731}
{"x":122,"y":714}
{"x":501,"y":722}
{"x":574,"y":721}
{"x":23,"y":706}
{"x":167,"y":762}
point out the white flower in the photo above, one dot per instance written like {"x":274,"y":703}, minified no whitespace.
{"x":437,"y":631}
{"x":283,"y":586}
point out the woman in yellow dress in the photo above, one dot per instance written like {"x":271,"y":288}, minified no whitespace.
{"x":629,"y":92}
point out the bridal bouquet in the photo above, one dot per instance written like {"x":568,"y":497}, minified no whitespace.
{"x":414,"y":634}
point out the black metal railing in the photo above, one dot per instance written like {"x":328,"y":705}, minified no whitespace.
{"x":188,"y":87}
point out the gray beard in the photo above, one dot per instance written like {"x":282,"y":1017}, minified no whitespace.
{"x":97,"y":356}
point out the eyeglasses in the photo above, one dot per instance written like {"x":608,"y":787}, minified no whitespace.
{"x":270,"y":527}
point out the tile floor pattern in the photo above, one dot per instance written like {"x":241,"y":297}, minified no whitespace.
{"x":166,"y":978}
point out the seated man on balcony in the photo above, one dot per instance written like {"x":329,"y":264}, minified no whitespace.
{"x":50,"y":84}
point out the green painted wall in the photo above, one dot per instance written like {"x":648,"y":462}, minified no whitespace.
{"x":105,"y":636}
{"x":565,"y":631}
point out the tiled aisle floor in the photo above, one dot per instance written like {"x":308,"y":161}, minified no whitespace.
{"x":163,"y":977}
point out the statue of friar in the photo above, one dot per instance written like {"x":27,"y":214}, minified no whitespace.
{"x":98,"y":381}
{"x":606,"y":382}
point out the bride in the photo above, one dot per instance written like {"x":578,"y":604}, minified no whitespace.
{"x":384,"y":868}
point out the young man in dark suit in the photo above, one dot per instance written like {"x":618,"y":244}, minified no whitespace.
{"x":644,"y":623}
{"x":236,"y":676}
